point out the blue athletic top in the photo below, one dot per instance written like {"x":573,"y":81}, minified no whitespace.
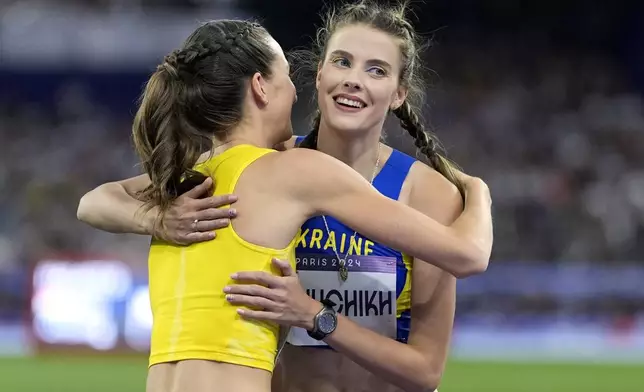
{"x":372,"y":266}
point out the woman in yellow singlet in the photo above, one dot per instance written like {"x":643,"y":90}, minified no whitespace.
{"x":213,"y":109}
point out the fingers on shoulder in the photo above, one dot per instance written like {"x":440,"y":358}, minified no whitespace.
{"x":199,"y":190}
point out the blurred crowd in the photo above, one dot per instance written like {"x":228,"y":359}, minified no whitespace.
{"x":106,"y":5}
{"x":50,"y":156}
{"x":559,"y":139}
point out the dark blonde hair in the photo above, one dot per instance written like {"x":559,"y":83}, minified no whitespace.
{"x":391,"y":20}
{"x":194,"y":96}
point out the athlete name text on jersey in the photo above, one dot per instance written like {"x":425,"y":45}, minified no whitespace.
{"x":357,"y":303}
{"x":368,"y":296}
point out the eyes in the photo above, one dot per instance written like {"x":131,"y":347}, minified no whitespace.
{"x":343,"y":62}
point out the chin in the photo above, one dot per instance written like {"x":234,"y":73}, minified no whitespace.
{"x":349,"y":123}
{"x":348,"y":126}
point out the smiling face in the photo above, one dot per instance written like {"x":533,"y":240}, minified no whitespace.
{"x":358,"y":79}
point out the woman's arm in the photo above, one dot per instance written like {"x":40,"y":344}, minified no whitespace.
{"x":113,"y":207}
{"x":418,"y":365}
{"x":324,"y":185}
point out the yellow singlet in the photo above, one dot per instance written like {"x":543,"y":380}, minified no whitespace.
{"x":192,"y":319}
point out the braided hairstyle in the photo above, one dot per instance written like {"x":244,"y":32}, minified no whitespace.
{"x":393,"y":21}
{"x":196,"y":94}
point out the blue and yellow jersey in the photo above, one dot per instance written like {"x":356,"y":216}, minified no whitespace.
{"x":377,"y":292}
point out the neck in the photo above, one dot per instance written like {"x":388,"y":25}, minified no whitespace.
{"x":245,"y":134}
{"x":359,"y":151}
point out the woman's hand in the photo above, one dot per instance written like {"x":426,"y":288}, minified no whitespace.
{"x":193,"y":218}
{"x":472,"y":184}
{"x":280,"y":299}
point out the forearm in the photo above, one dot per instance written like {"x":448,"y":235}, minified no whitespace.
{"x":395,"y":362}
{"x":110,"y":208}
{"x":475,"y":223}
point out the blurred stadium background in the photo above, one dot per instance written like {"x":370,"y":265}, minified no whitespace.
{"x":543,"y":99}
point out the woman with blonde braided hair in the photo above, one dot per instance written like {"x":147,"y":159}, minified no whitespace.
{"x":354,"y":253}
{"x":365,"y":62}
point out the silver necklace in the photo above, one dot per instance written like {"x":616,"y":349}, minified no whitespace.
{"x":342,"y":261}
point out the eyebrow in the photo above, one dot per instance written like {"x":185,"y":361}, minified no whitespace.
{"x":348,"y":55}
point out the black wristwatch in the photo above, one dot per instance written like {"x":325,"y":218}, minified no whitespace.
{"x":325,"y":321}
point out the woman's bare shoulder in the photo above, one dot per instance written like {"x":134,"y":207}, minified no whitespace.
{"x":433,"y":194}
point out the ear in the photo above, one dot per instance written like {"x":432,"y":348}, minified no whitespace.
{"x":258,"y":89}
{"x":399,"y":97}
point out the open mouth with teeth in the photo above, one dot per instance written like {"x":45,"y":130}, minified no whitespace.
{"x":349,"y":103}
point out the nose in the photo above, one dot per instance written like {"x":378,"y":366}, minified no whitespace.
{"x":352,"y":84}
{"x":352,"y":79}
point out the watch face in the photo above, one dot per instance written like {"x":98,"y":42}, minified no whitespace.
{"x":326,"y":323}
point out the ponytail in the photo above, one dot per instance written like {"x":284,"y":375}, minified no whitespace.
{"x":196,"y":96}
{"x":167,"y":144}
{"x":427,"y":144}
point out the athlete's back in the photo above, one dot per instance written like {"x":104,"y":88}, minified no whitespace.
{"x":192,"y":319}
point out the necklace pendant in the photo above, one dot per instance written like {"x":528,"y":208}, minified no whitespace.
{"x":344,"y":273}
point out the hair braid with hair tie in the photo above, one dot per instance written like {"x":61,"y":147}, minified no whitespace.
{"x":184,"y":60}
{"x":195,"y":97}
{"x":170,"y":65}
{"x":233,"y":41}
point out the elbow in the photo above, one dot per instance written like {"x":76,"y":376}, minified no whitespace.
{"x":471,"y":270}
{"x":83,"y":212}
{"x":474,"y":264}
{"x":428,"y":382}
{"x":424,"y":376}
{"x":430,"y":385}
{"x":89,"y":205}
